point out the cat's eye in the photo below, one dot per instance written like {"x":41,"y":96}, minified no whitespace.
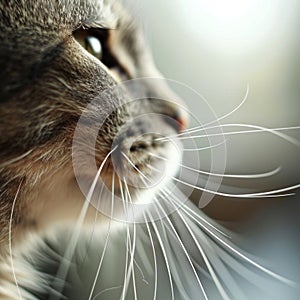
{"x":90,"y":42}
{"x":96,"y":42}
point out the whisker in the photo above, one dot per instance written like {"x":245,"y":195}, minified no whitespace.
{"x":107,"y":237}
{"x":189,"y":212}
{"x":123,"y":197}
{"x":132,"y":248}
{"x":184,"y":249}
{"x":234,"y":110}
{"x":177,"y":279}
{"x":244,"y":257}
{"x":239,"y":176}
{"x":133,"y":165}
{"x":128,"y":193}
{"x":141,"y":271}
{"x":247,"y":259}
{"x":127,"y":242}
{"x":204,"y":148}
{"x":216,"y":261}
{"x":173,"y":262}
{"x":154,"y":258}
{"x":69,"y":252}
{"x":202,"y":127}
{"x":144,"y":257}
{"x":206,"y":260}
{"x":107,"y":290}
{"x":196,"y":215}
{"x":95,"y":220}
{"x":10,"y":239}
{"x":266,"y":194}
{"x":257,"y":129}
{"x":209,"y":256}
{"x":164,"y":255}
{"x":241,"y":269}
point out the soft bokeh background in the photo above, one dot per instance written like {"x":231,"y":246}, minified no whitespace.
{"x":218,"y":47}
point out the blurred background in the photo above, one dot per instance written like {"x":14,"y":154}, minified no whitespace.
{"x":218,"y":47}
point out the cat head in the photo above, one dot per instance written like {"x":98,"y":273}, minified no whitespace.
{"x":64,"y":65}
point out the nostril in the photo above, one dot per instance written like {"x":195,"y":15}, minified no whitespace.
{"x":132,"y":148}
{"x":138,"y":146}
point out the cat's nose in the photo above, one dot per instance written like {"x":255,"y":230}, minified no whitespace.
{"x":181,"y":118}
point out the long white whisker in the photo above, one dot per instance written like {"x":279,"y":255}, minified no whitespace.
{"x":107,"y":290}
{"x":107,"y":237}
{"x":234,"y":110}
{"x":133,"y":165}
{"x":188,"y":211}
{"x":154,"y":258}
{"x":141,"y":271}
{"x":206,"y":260}
{"x":204,"y":148}
{"x":184,"y":250}
{"x":95,"y":221}
{"x":127,"y":243}
{"x":244,"y":257}
{"x":164,"y":255}
{"x":176,"y":277}
{"x":210,"y":248}
{"x":249,"y":195}
{"x":257,"y":129}
{"x":132,"y":248}
{"x":172,"y":262}
{"x":202,"y":127}
{"x":129,"y":267}
{"x":253,"y":126}
{"x":239,"y":176}
{"x":123,"y":198}
{"x":63,"y":269}
{"x":10,"y":240}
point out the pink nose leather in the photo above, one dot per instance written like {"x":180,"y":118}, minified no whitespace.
{"x":182,"y":119}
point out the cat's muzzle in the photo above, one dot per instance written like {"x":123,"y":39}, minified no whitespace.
{"x":141,"y":159}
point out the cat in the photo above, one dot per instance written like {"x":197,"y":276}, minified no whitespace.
{"x":83,"y":104}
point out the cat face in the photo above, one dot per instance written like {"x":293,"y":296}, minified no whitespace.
{"x":59,"y":61}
